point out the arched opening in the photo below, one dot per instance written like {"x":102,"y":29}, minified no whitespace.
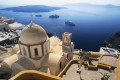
{"x":36,"y":51}
{"x":66,"y":39}
{"x":60,"y":65}
{"x":4,"y":29}
{"x":67,"y":56}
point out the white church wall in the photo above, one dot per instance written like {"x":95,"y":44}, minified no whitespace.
{"x":24,"y":50}
{"x":46,"y":47}
{"x":3,"y":26}
{"x":7,"y":63}
{"x":16,"y":68}
{"x":56,"y":63}
{"x":37,"y":63}
{"x":66,"y":48}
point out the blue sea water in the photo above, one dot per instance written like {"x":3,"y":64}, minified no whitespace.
{"x":93,"y":24}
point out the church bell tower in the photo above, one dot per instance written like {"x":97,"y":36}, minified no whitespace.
{"x":66,"y":38}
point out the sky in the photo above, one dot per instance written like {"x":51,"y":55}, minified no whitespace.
{"x":55,"y":2}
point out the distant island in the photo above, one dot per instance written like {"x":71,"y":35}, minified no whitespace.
{"x":113,"y":41}
{"x":92,"y":5}
{"x":33,"y":8}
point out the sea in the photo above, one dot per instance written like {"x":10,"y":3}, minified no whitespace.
{"x":93,"y":25}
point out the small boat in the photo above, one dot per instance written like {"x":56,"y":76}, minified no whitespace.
{"x":54,"y":16}
{"x":38,"y":15}
{"x":69,"y":23}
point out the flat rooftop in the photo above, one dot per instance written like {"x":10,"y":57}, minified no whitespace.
{"x":16,"y":25}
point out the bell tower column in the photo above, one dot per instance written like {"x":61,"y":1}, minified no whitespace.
{"x":67,"y":45}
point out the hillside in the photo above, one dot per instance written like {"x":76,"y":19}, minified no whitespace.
{"x":92,"y":5}
{"x":32,"y":8}
{"x":113,"y":41}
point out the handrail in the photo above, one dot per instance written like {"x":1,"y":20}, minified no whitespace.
{"x":65,"y":68}
{"x":37,"y":75}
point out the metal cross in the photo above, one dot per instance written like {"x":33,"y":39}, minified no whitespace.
{"x":31,"y":20}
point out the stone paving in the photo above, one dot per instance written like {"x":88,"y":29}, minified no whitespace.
{"x":86,"y":74}
{"x":109,"y":60}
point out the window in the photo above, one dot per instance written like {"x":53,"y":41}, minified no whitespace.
{"x":60,"y":66}
{"x":36,"y":52}
{"x":66,"y":39}
{"x":67,"y":55}
{"x":24,"y":51}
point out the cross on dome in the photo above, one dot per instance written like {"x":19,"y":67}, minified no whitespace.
{"x":31,"y":17}
{"x":31,"y":20}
